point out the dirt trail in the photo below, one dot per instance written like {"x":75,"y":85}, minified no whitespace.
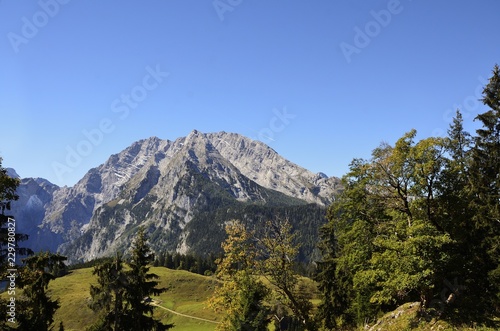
{"x":183,"y":315}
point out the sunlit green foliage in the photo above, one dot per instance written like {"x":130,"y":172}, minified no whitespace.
{"x":414,"y":217}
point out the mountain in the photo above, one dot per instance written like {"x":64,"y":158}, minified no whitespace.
{"x":35,"y":197}
{"x":61,"y":212}
{"x":12,"y":173}
{"x":182,"y":191}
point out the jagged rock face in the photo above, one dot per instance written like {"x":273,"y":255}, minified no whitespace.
{"x":71,"y":208}
{"x":266,"y":167}
{"x":175,"y":189}
{"x":35,"y":196}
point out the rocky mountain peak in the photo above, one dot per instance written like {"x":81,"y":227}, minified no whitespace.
{"x":265,"y":166}
{"x":169,"y":185}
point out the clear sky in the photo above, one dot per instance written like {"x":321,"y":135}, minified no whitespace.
{"x":321,"y":82}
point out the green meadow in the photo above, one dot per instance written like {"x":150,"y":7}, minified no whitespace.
{"x":187,"y":294}
{"x":185,"y":303}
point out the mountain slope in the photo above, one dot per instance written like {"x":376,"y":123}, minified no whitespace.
{"x":183,"y":191}
{"x":265,"y":166}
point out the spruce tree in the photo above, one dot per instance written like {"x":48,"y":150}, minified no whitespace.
{"x":9,"y":236}
{"x":36,"y":307}
{"x":8,"y":187}
{"x":108,"y":296}
{"x":121,"y":296}
{"x":485,"y":188}
{"x":457,"y":216}
{"x":141,"y":285}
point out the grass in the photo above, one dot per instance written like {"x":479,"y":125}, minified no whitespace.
{"x":186,"y":293}
{"x":407,"y":317}
{"x":73,"y":293}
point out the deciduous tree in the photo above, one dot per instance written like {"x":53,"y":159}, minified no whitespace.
{"x":277,"y":253}
{"x":241,"y":294}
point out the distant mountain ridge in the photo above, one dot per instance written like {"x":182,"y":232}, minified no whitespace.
{"x":175,"y":189}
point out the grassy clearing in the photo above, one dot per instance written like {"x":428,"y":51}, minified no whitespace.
{"x":187,"y":293}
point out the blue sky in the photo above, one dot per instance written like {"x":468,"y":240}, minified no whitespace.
{"x":321,"y":82}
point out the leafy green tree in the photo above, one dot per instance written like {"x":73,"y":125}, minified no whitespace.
{"x":409,"y":259}
{"x":414,"y":217}
{"x":277,"y":254}
{"x":385,"y":243}
{"x":241,"y":294}
{"x":346,"y":246}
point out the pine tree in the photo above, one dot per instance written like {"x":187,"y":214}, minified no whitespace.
{"x":121,"y":296}
{"x":455,"y":195}
{"x":108,"y":295}
{"x":253,"y":314}
{"x":141,"y":285}
{"x":485,"y":186}
{"x":333,"y":303}
{"x":8,"y":233}
{"x":457,"y":215}
{"x":35,"y":306}
{"x":8,"y":187}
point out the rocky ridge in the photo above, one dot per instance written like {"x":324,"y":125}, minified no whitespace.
{"x":165,"y":185}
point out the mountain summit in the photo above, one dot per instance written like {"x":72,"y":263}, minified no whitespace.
{"x":182,"y":191}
